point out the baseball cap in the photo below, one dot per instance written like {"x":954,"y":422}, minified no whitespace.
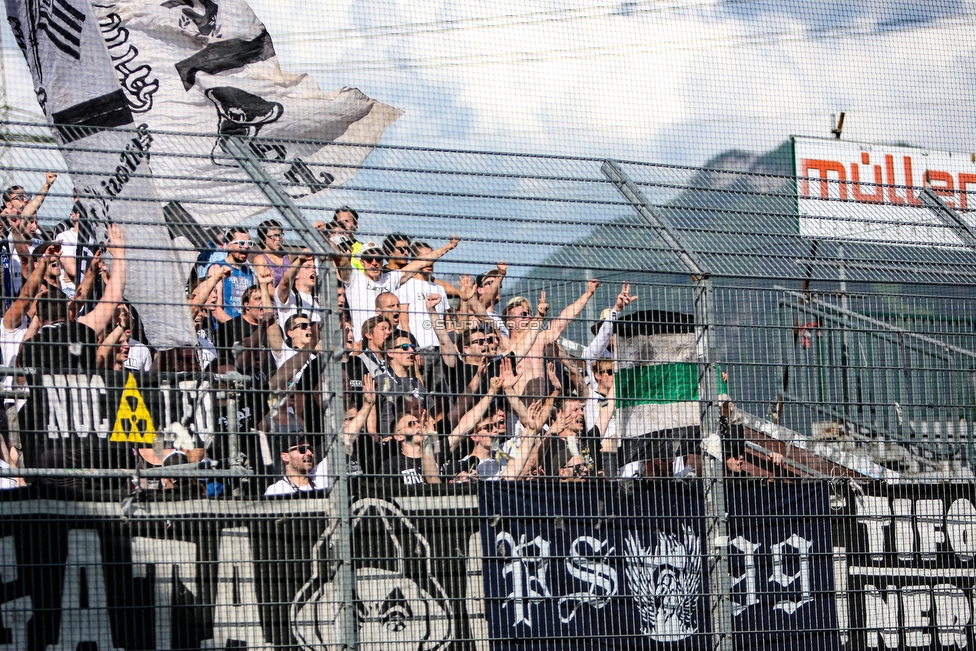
{"x":372,"y":249}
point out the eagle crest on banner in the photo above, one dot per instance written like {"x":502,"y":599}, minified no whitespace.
{"x":666,"y":583}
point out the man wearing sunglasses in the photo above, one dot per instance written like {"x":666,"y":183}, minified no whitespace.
{"x":237,"y":246}
{"x":302,"y":474}
{"x":402,"y":382}
{"x":362,"y":287}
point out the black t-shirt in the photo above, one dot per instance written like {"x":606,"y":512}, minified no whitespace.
{"x":61,"y":348}
{"x":233,"y":332}
{"x":400,"y":469}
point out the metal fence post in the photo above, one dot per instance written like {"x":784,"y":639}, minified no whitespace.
{"x":715,"y":513}
{"x":332,"y":376}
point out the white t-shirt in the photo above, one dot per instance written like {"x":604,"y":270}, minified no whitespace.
{"x":69,"y":248}
{"x":320,"y":477}
{"x":10,"y":341}
{"x":140,"y":357}
{"x":287,"y":352}
{"x":412,"y":295}
{"x":361,"y":293}
{"x":308,"y":304}
{"x":591,"y":412}
{"x":16,"y":272}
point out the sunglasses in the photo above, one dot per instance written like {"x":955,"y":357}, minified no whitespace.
{"x":244,"y":244}
{"x":405,"y":347}
{"x":606,"y":371}
{"x":372,"y":260}
{"x":301,"y":326}
{"x":302,"y":449}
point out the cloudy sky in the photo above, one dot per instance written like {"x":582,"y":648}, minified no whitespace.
{"x":673,"y":81}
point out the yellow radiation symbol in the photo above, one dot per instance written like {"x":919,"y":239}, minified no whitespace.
{"x":133,"y":423}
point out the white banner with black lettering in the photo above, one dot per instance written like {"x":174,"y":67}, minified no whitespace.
{"x":911,"y":567}
{"x":75,"y":84}
{"x":202,"y":67}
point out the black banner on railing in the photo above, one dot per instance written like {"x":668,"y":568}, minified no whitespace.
{"x":234,"y":575}
{"x":912,"y":567}
{"x":781,"y":567}
{"x":80,"y":420}
{"x":586,"y":566}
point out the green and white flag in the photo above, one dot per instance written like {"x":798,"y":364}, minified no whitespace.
{"x":657,"y":388}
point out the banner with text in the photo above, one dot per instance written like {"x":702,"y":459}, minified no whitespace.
{"x":885,"y":183}
{"x":911,"y":567}
{"x":224,"y":575}
{"x":583,"y":564}
{"x":781,"y":566}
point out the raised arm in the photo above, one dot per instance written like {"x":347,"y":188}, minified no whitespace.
{"x":571,"y":311}
{"x":288,"y":280}
{"x":601,"y":341}
{"x":342,"y":259}
{"x":98,"y":318}
{"x":448,"y":349}
{"x":418,"y":265}
{"x":13,"y":317}
{"x":201,"y":293}
{"x":474,"y":415}
{"x":428,"y":460}
{"x":35,"y":203}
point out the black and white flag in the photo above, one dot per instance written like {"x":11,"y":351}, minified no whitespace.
{"x":164,"y":67}
{"x":198,"y":66}
{"x":75,"y":83}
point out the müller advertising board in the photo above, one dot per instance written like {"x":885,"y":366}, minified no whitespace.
{"x":856,"y":190}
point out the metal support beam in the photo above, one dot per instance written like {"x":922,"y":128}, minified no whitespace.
{"x":654,"y":219}
{"x":713,"y":467}
{"x":332,"y":350}
{"x":949,"y":217}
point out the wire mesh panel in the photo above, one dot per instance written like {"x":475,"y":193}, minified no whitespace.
{"x":473,"y":400}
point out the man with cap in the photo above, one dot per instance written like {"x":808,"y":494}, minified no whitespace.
{"x":302,"y":474}
{"x":362,"y":287}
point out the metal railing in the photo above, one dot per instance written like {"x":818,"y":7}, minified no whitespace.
{"x":785,"y":454}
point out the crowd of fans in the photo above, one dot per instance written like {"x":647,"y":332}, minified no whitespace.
{"x":444,"y":381}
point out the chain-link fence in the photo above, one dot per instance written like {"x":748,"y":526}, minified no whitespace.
{"x":473,"y":400}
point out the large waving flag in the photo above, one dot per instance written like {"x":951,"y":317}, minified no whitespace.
{"x":190,"y":66}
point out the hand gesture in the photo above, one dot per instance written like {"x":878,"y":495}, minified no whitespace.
{"x":553,"y":377}
{"x":51,"y":177}
{"x":97,"y":266}
{"x":265,"y":276}
{"x":538,"y":415}
{"x":507,"y":375}
{"x":494,"y":384}
{"x":369,"y":390}
{"x":466,"y":288}
{"x":558,"y":424}
{"x":432,"y":300}
{"x":321,"y":226}
{"x":116,"y":240}
{"x":591,"y":286}
{"x":453,"y":242}
{"x":502,"y":266}
{"x":624,"y":298}
{"x":304,"y":257}
{"x":543,"y":307}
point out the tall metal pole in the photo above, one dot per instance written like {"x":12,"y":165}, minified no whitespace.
{"x":332,"y":373}
{"x":713,"y":466}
